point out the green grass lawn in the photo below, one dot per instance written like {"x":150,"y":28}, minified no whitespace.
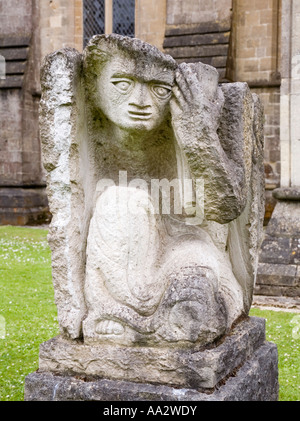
{"x":28,"y":316}
{"x":27,"y":310}
{"x":283,"y":329}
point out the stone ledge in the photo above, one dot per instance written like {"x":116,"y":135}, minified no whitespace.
{"x":289,"y":304}
{"x":278,"y":274}
{"x":287,"y":193}
{"x":256,"y":380}
{"x":190,"y":368}
{"x":277,"y":291}
{"x":198,"y":28}
{"x":23,"y":206}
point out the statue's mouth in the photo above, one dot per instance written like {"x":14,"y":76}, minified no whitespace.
{"x":140,"y":115}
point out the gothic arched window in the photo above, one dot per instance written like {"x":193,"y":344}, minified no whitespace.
{"x":106,"y":16}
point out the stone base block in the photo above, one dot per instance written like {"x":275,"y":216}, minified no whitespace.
{"x":240,"y":367}
{"x":279,"y":261}
{"x":23,"y":206}
{"x":256,"y":380}
{"x":179,"y":367}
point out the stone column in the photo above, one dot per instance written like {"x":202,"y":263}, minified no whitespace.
{"x":23,"y":197}
{"x":279,"y":270}
{"x":150,"y":21}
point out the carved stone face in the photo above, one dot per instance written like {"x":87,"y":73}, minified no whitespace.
{"x":134,"y":96}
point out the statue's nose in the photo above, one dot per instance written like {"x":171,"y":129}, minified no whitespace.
{"x":141,"y":96}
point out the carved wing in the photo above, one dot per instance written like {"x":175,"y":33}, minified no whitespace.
{"x":246,"y":232}
{"x":59,"y":106}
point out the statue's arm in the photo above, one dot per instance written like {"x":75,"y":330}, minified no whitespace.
{"x":210,"y":128}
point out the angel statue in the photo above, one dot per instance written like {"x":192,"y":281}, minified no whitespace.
{"x":155,"y":184}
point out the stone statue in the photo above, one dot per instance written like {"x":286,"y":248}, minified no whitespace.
{"x":156,"y":186}
{"x":155,"y":183}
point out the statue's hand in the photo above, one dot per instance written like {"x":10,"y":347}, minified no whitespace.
{"x":197,"y":109}
{"x":196,"y":103}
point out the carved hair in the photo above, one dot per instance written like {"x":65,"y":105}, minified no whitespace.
{"x":102,"y":47}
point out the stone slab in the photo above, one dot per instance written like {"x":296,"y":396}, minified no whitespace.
{"x":193,"y":368}
{"x":14,"y":40}
{"x":277,"y":274}
{"x":279,"y":260}
{"x":202,"y":28}
{"x":277,"y":291}
{"x":289,"y":304}
{"x":15,"y":53}
{"x":198,"y":51}
{"x":287,"y":193}
{"x":285,"y":221}
{"x":283,"y":251}
{"x":197,"y":39}
{"x":256,"y":380}
{"x":23,"y":206}
{"x":12,"y":81}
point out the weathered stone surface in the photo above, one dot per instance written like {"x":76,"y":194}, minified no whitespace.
{"x":255,"y":380}
{"x":155,"y":183}
{"x":278,"y":272}
{"x":12,"y":82}
{"x":203,"y":28}
{"x":206,"y":41}
{"x":194,"y":368}
{"x":291,"y":304}
{"x":14,"y":40}
{"x":197,"y":39}
{"x":60,"y":159}
{"x":16,"y":53}
{"x":277,"y":250}
{"x":283,"y":231}
{"x":285,"y":221}
{"x":16,"y":61}
{"x":21,"y":174}
{"x":15,"y":67}
{"x":277,"y":291}
{"x":287,"y":193}
{"x":126,"y":270}
{"x":198,"y":51}
{"x":23,"y":206}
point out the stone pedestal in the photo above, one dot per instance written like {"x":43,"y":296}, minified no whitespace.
{"x":279,"y":270}
{"x":279,"y":267}
{"x":242,"y":367}
{"x":23,"y":206}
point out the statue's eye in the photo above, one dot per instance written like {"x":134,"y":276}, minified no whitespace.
{"x":122,"y":85}
{"x":161,"y":91}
